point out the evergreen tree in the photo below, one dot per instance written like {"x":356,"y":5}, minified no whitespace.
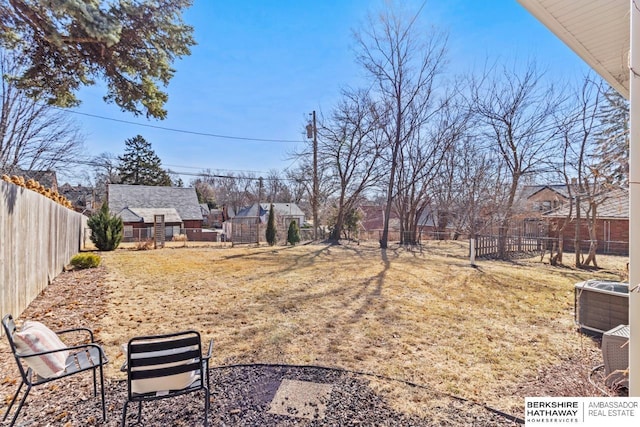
{"x":140,"y":165}
{"x":129,"y":45}
{"x":293,"y":235}
{"x":352,"y":222}
{"x":106,"y":229}
{"x":271,"y":233}
{"x":613,"y":139}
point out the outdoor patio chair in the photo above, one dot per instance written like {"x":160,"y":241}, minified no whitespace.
{"x":163,"y":366}
{"x":42,"y":357}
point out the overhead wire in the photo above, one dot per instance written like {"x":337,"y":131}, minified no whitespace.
{"x":185,"y":131}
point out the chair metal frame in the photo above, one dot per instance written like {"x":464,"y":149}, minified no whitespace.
{"x":83,"y":357}
{"x":183,"y":350}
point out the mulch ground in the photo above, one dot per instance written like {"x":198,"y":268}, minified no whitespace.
{"x":240,"y":395}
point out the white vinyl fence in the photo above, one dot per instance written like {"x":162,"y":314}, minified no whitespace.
{"x":38,"y":237}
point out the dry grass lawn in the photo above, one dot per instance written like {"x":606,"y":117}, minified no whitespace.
{"x":423,"y":316}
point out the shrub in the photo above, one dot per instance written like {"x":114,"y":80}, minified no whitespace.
{"x":144,"y":245}
{"x":181,"y":238}
{"x":293,"y":235}
{"x":106,"y":229}
{"x":85,"y":260}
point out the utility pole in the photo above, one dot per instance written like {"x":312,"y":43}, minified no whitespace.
{"x":315,"y":178}
{"x":312,"y":132}
{"x":259,"y":209}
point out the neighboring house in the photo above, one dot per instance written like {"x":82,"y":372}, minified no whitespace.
{"x":430,"y":230}
{"x":138,"y":204}
{"x":373,"y":218}
{"x":212,"y":217}
{"x":47,"y":178}
{"x":612,"y":224}
{"x":544,"y":198}
{"x":82,"y":198}
{"x":246,"y":225}
{"x":533,"y":201}
{"x":216,"y":218}
{"x":206,"y":212}
{"x":285,"y":213}
{"x":372,"y":223}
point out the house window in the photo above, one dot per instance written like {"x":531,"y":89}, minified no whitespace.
{"x":545,"y":206}
{"x":171,"y":231}
{"x":128,"y":231}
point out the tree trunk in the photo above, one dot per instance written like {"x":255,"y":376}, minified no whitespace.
{"x":384,"y":240}
{"x":560,"y":248}
{"x":593,"y":238}
{"x":577,"y":235}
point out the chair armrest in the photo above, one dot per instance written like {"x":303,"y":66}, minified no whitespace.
{"x":208,"y":356}
{"x":71,"y":348}
{"x":86,"y":330}
{"x":103,"y":355}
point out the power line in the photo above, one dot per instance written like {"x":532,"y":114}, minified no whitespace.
{"x":202,"y":173}
{"x":252,"y":178}
{"x":189,"y":132}
{"x":215,"y":169}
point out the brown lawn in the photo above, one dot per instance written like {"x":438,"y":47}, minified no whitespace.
{"x":422,"y":316}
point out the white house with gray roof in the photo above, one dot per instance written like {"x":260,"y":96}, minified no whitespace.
{"x":137,"y":205}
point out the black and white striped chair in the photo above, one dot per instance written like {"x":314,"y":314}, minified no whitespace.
{"x":164,"y":366}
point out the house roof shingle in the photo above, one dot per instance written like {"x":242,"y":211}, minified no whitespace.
{"x":138,"y":198}
{"x":146,"y":215}
{"x":614,"y":206}
{"x":281,"y":209}
{"x":530,"y":190}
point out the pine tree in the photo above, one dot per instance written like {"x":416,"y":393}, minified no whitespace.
{"x":293,"y":235}
{"x":613,"y":139}
{"x":271,"y":233}
{"x":106,"y":229}
{"x":140,"y":165}
{"x":128,"y":45}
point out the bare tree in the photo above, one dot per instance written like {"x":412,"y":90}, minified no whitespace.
{"x":237,"y":191}
{"x":466,"y":193}
{"x":421,"y":160}
{"x":301,"y":183}
{"x":515,"y":110}
{"x":403,"y":62}
{"x":33,"y":135}
{"x":349,"y":151}
{"x":276,"y":188}
{"x":205,"y":190}
{"x":581,"y":166}
{"x":480,"y":185}
{"x":105,"y":172}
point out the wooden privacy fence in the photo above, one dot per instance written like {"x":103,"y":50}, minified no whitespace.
{"x":38,"y":237}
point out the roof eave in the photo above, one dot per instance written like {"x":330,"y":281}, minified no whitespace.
{"x":546,"y":18}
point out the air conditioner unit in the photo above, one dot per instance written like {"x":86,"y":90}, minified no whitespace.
{"x":615,"y":352}
{"x":601,"y":305}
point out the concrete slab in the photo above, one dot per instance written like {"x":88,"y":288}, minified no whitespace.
{"x":301,"y":399}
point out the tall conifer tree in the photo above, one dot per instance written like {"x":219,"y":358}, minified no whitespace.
{"x":140,"y":165}
{"x":271,"y":233}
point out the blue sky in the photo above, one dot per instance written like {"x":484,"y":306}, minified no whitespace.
{"x":260,"y":68}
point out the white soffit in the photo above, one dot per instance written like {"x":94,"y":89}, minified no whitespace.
{"x":597,"y":30}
